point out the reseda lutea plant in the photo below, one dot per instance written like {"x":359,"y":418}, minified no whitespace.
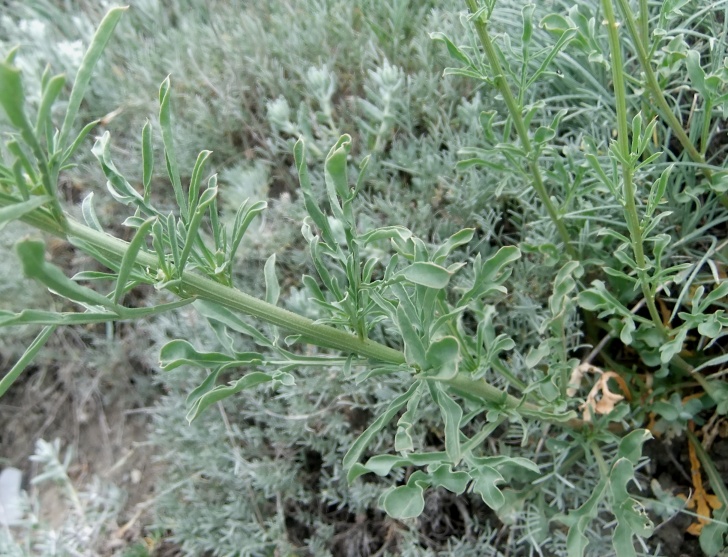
{"x":643,"y":258}
{"x":409,"y":289}
{"x":438,"y":303}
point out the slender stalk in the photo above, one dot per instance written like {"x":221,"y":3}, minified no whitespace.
{"x":510,"y":377}
{"x":603,"y":467}
{"x":195,"y":285}
{"x":705,"y":135}
{"x":514,"y":110}
{"x":485,"y":390}
{"x":644,"y":23}
{"x":630,"y":207}
{"x":685,"y":367}
{"x":653,"y":85}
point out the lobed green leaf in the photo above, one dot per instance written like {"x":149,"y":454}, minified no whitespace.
{"x":355,"y":452}
{"x":406,"y":501}
{"x":485,"y":483}
{"x":222,"y":392}
{"x":180,"y":352}
{"x":443,"y":357}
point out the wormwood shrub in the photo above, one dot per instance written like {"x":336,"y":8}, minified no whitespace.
{"x":429,"y":326}
{"x":81,"y":531}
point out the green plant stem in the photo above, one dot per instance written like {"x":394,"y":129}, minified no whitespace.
{"x":501,"y":83}
{"x":630,"y":207}
{"x":322,"y":335}
{"x":483,"y":389}
{"x":510,"y":377}
{"x":196,"y":285}
{"x":644,"y":22}
{"x":705,"y":135}
{"x":603,"y":467}
{"x":651,"y":80}
{"x":685,"y":367}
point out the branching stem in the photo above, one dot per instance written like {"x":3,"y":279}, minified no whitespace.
{"x":628,"y":190}
{"x":516,"y":113}
{"x":639,"y":38}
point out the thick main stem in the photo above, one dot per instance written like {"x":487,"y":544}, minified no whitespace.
{"x":630,"y":207}
{"x":521,"y":129}
{"x":232,"y":298}
{"x":206,"y":289}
